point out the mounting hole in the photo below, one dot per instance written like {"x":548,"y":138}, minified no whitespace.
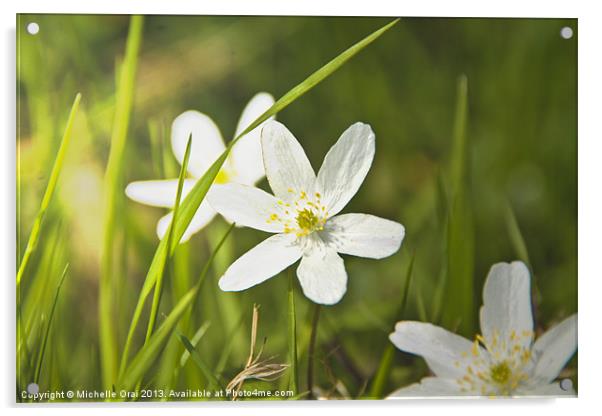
{"x":33,"y":388}
{"x":566,"y":384}
{"x":566,"y":32}
{"x":33,"y":28}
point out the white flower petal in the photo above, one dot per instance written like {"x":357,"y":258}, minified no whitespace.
{"x":555,"y":348}
{"x":161,"y":193}
{"x":207,"y":143}
{"x":507,"y":303}
{"x":201,"y":218}
{"x":364,"y":235}
{"x":322,"y":275}
{"x":440,"y":348}
{"x":286,"y":165}
{"x":345,"y":166}
{"x":247,"y":206}
{"x":246,"y":157}
{"x":263,"y":261}
{"x":552,"y":389}
{"x":429,"y":387}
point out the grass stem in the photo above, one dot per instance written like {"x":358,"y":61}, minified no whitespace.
{"x":312,"y":350}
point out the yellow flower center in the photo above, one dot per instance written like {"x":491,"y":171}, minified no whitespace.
{"x":308,"y":221}
{"x":222,"y":177}
{"x":500,"y":373}
{"x":302,"y":214}
{"x":502,"y":369}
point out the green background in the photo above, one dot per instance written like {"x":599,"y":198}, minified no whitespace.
{"x":521,"y":153}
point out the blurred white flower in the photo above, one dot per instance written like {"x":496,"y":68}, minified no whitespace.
{"x":504,"y":361}
{"x":302,"y":213}
{"x":244,"y":164}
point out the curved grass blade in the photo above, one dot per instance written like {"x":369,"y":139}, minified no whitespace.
{"x":36,"y":377}
{"x":384,"y":367}
{"x":196,"y":195}
{"x":195,"y":340}
{"x":144,"y":359}
{"x":198,"y":360}
{"x":34,"y":235}
{"x":159,"y":284}
{"x":113,"y":191}
{"x":515,"y":234}
{"x":316,"y":78}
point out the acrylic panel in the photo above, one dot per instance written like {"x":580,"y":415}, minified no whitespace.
{"x":295,"y":208}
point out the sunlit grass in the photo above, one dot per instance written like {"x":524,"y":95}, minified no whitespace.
{"x":113,"y":195}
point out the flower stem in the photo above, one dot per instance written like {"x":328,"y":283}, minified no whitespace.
{"x":311,"y":350}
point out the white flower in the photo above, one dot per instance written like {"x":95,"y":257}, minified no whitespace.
{"x":302,"y":213}
{"x":504,"y":361}
{"x":244,"y":165}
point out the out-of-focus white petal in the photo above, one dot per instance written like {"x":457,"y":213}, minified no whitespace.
{"x":286,"y":165}
{"x":247,"y":206}
{"x":429,"y":387}
{"x":444,"y":352}
{"x":160,"y":193}
{"x":207,"y":143}
{"x":201,"y":218}
{"x":246,"y":157}
{"x":322,"y":275}
{"x":364,"y":235}
{"x":507,"y":304}
{"x":554,"y":348}
{"x":345,"y":166}
{"x":263,"y":261}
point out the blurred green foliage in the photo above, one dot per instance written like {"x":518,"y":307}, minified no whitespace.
{"x":522,"y":153}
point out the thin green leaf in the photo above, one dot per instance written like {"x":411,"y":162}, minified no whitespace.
{"x":292,"y":336}
{"x":36,"y":377}
{"x":213,"y":254}
{"x":113,"y":190}
{"x":195,"y":340}
{"x":312,"y":348}
{"x":459,"y":308}
{"x":159,"y":284}
{"x":34,"y":236}
{"x":196,"y":195}
{"x":384,"y":367}
{"x":198,"y":360}
{"x":145,"y":358}
{"x":515,"y":234}
{"x":316,"y":78}
{"x":223,"y":358}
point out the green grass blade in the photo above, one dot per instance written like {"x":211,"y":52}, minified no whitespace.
{"x":384,"y":367}
{"x":196,"y":195}
{"x":198,"y":360}
{"x":227,"y":350}
{"x":36,"y":378}
{"x":292,"y":336}
{"x":34,"y":235}
{"x":195,"y":340}
{"x":208,"y":264}
{"x":316,"y":78}
{"x":159,"y":284}
{"x":515,"y":234}
{"x":459,"y":310}
{"x":113,"y":190}
{"x":145,"y":358}
{"x":520,"y":248}
{"x":459,"y":161}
